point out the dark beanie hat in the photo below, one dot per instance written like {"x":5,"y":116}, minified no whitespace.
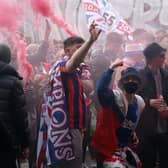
{"x":153,"y":50}
{"x":5,"y":53}
{"x":130,"y":72}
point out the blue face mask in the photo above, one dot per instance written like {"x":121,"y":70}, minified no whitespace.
{"x":130,"y":87}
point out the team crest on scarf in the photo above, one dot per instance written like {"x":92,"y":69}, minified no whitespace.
{"x":57,"y":144}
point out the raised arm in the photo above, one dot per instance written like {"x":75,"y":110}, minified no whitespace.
{"x":105,"y":94}
{"x":80,"y":54}
{"x":47,"y":31}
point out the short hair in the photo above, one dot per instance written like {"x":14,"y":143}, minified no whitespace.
{"x":153,"y":50}
{"x":5,"y":53}
{"x":73,"y":40}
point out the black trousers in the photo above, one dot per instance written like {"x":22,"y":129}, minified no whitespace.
{"x":8,"y":159}
{"x":99,"y":164}
{"x":154,"y":148}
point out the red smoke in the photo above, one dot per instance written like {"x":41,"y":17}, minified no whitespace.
{"x":44,"y":8}
{"x":25,"y":68}
{"x":62,"y":24}
{"x":10,"y":14}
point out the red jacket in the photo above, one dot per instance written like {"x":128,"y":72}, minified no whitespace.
{"x":104,"y":139}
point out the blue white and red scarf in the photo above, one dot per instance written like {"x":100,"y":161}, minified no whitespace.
{"x":123,"y":158}
{"x":54,"y":141}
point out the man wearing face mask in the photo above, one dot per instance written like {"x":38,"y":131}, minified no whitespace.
{"x":115,"y":135}
{"x":152,"y":129}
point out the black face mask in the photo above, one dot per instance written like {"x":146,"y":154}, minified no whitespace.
{"x":130,"y":87}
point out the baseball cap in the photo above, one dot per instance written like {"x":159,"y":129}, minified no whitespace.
{"x":130,"y":72}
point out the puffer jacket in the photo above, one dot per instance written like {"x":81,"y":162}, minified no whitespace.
{"x":13,"y":116}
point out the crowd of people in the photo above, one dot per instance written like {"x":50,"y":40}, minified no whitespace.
{"x":122,"y":84}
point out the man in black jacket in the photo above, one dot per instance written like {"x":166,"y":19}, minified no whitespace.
{"x":13,"y":117}
{"x":152,"y":129}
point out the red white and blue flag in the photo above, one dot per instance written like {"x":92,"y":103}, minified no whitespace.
{"x":105,"y":16}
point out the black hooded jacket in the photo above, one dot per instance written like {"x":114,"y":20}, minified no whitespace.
{"x":13,"y":117}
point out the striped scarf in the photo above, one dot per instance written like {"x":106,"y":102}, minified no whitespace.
{"x":54,"y":142}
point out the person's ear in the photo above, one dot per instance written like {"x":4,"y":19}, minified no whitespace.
{"x":67,"y":51}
